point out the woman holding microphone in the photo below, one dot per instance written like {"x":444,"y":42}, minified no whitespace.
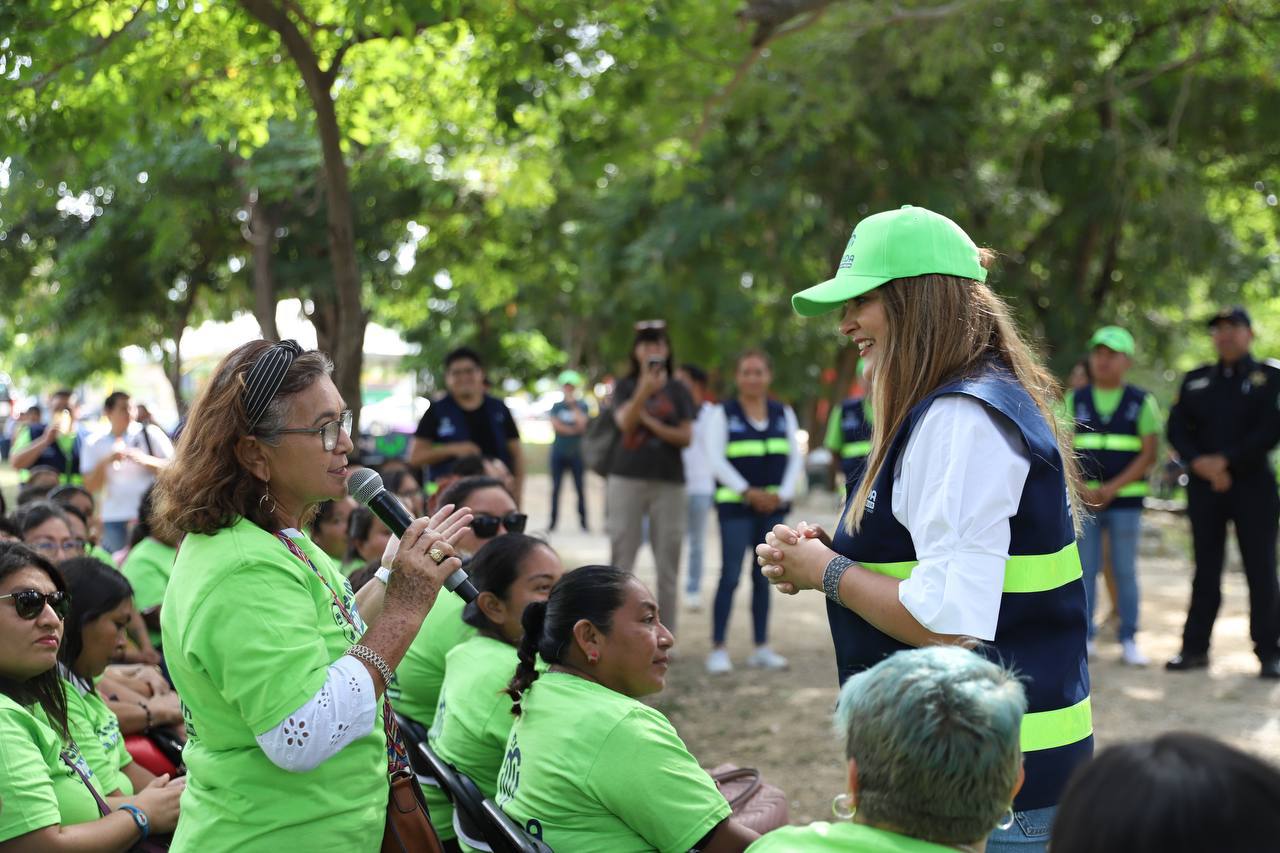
{"x":962,"y":531}
{"x":281,"y":678}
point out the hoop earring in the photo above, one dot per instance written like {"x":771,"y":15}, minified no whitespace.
{"x":266,"y":495}
{"x":842,"y":806}
{"x":1006,"y":820}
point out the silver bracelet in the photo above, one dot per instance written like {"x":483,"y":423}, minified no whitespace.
{"x":374,"y":659}
{"x":831,"y":577}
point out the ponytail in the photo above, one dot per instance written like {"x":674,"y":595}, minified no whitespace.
{"x":592,"y":593}
{"x":533,"y":620}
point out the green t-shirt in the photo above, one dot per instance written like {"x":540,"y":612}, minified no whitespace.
{"x":473,"y":719}
{"x":148,"y":567}
{"x":96,"y":730}
{"x":1107,"y":400}
{"x":250,"y":633}
{"x":36,"y":788}
{"x":841,"y":837}
{"x":416,"y":690}
{"x":587,"y":768}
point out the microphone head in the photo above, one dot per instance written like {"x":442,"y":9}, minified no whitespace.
{"x":364,"y":484}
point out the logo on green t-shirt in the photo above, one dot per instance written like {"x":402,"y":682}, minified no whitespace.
{"x":509,"y":775}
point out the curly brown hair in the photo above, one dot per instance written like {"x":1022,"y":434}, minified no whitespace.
{"x":206,"y":488}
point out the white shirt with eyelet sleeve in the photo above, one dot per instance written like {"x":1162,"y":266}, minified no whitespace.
{"x":958,"y":483}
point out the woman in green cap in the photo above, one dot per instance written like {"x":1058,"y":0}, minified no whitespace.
{"x":962,"y":531}
{"x":569,"y":420}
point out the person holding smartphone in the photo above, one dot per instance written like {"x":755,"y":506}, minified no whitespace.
{"x":654,"y":414}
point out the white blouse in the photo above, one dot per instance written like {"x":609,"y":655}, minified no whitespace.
{"x":344,"y":709}
{"x":958,"y":483}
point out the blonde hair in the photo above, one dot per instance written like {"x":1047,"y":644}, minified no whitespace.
{"x":942,"y":328}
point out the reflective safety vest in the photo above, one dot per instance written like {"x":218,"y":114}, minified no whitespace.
{"x":760,"y":456}
{"x":855,"y":434}
{"x":1106,"y":447}
{"x":54,"y":456}
{"x":452,"y":427}
{"x":1042,"y":626}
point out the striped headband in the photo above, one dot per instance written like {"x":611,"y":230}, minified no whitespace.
{"x":264,"y":379}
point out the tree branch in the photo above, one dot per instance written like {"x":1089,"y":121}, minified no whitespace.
{"x":41,"y":80}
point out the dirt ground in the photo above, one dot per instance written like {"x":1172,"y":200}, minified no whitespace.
{"x":780,"y":721}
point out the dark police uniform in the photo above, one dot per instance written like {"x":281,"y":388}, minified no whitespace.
{"x":1233,"y":410}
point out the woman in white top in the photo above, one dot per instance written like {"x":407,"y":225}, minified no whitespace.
{"x":751,"y":442}
{"x":962,"y":529}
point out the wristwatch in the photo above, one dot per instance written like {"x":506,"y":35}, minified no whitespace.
{"x":140,"y":818}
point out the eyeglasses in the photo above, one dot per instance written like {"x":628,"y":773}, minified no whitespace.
{"x":328,"y":432}
{"x":49,"y":548}
{"x":486,"y":526}
{"x":29,"y":603}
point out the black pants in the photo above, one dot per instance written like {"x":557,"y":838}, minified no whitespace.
{"x":572,"y":462}
{"x":1252,"y":504}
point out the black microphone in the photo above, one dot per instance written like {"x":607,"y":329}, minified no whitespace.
{"x":366,"y":487}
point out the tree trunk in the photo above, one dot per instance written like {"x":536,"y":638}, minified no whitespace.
{"x":261,"y":234}
{"x":347,"y":347}
{"x":173,"y":364}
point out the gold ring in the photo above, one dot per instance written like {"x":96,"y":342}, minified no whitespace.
{"x":438,"y":555}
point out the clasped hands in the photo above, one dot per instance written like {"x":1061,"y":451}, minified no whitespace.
{"x":794,"y":558}
{"x":1213,"y":467}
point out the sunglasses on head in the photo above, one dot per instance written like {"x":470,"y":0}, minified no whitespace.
{"x":486,"y":526}
{"x":29,"y":603}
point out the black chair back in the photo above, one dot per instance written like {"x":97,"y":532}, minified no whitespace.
{"x":414,"y":735}
{"x":516,"y":840}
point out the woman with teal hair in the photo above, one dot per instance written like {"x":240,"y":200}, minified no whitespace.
{"x":931,"y":737}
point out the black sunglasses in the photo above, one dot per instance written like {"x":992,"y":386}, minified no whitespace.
{"x":486,"y":526}
{"x":29,"y":603}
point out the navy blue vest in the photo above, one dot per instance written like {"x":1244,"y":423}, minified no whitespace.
{"x":855,"y":433}
{"x":53,"y":456}
{"x":1106,"y":448}
{"x":759,"y":455}
{"x":452,"y":426}
{"x":1041,"y":630}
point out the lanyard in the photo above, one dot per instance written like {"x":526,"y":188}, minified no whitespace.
{"x":397,"y":754}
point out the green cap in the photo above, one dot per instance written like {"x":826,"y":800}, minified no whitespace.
{"x":899,"y":243}
{"x":570,"y":377}
{"x":1113,"y":337}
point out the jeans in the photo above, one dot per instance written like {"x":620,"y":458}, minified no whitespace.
{"x":1124,"y":525}
{"x":115,"y":534}
{"x":559,"y":462}
{"x":699,"y":509}
{"x":739,"y":535}
{"x":631,"y":502}
{"x":1028,"y":834}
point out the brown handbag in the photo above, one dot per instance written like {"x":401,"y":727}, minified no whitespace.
{"x":408,"y":828}
{"x":756,"y":804}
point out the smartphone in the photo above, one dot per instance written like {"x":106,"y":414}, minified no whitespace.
{"x":656,"y":363}
{"x":64,"y":421}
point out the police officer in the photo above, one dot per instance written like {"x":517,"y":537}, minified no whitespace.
{"x":1223,"y":424}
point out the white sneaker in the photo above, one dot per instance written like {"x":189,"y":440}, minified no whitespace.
{"x":693,"y":601}
{"x":766,"y":658}
{"x":718,"y":662}
{"x":1130,"y":654}
{"x":1091,"y":648}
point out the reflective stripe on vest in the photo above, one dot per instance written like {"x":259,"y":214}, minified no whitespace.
{"x":855,"y":449}
{"x":1108,"y":441}
{"x":1137,"y":489}
{"x":757,"y":447}
{"x":1022,"y":572}
{"x":1060,"y":727}
{"x":726,"y":495}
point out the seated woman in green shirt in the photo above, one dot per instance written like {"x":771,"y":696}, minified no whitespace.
{"x":932,"y":743}
{"x":473,"y":717}
{"x":101,"y":605}
{"x":588,"y":766}
{"x":149,"y":564}
{"x":52,"y":801}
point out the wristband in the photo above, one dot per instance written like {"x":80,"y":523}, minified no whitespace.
{"x":383,"y":574}
{"x":831,"y":577}
{"x":139,"y":818}
{"x":374,"y":659}
{"x":150,"y":721}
